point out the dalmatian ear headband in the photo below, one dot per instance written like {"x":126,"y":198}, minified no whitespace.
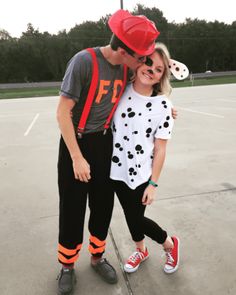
{"x":178,"y":69}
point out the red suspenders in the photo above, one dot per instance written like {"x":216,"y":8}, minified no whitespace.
{"x":91,"y":94}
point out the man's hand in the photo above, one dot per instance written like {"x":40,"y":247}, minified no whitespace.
{"x":81,"y":169}
{"x":174,"y":113}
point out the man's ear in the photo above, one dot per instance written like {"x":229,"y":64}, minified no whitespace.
{"x":122,"y":52}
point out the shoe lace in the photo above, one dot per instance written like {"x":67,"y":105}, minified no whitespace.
{"x":169,"y":258}
{"x":134,"y":257}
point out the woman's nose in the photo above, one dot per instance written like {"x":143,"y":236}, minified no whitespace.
{"x":150,"y":71}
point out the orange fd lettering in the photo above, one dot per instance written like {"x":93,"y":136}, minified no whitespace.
{"x":104,"y":87}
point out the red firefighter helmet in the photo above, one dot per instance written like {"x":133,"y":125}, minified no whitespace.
{"x":136,"y":32}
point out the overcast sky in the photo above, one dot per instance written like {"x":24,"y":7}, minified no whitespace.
{"x":53,"y":16}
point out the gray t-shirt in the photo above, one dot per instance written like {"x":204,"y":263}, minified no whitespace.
{"x":76,"y":83}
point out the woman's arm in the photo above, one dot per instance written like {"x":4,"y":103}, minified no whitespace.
{"x":157,"y":164}
{"x":159,"y":158}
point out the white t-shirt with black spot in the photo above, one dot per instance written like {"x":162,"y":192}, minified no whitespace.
{"x":138,"y":120}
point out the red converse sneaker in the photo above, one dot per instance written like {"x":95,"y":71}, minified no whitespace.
{"x":172,"y":257}
{"x":135,"y":259}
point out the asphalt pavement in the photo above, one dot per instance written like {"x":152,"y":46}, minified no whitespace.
{"x":196,"y":200}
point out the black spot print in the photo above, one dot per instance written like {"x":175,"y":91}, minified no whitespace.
{"x":130,"y":155}
{"x":135,"y":132}
{"x":129,"y":98}
{"x":148,"y":132}
{"x":164,"y":104}
{"x":132,"y":171}
{"x":138,"y":166}
{"x":149,"y":105}
{"x":116,"y":160}
{"x":168,"y":118}
{"x":139,"y":149}
{"x":166,"y":124}
{"x":126,"y":138}
{"x":131,"y":114}
{"x":113,"y":127}
{"x":140,"y":114}
{"x":149,"y":120}
{"x":118,"y":146}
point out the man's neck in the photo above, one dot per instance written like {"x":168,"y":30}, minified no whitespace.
{"x":110,"y":55}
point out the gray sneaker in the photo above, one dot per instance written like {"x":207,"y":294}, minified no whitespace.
{"x":106,"y":271}
{"x":66,"y":281}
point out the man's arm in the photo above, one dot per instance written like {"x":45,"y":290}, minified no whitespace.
{"x":174,"y":113}
{"x":80,"y":165}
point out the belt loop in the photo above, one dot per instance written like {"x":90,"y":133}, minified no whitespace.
{"x":79,"y":135}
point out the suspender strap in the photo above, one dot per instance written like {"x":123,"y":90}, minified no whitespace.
{"x":107,"y":124}
{"x":91,"y":93}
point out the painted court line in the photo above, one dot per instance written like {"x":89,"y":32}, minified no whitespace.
{"x":201,"y":113}
{"x":31,"y":125}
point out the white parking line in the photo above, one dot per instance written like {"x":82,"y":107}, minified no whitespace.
{"x":31,"y":125}
{"x":201,"y":113}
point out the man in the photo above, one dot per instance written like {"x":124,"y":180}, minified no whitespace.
{"x":85,"y":151}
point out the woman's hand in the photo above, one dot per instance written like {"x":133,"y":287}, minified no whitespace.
{"x":149,"y":195}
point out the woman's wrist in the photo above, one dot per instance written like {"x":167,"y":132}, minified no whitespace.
{"x":153,"y":183}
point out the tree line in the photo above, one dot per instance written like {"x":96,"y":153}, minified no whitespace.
{"x":37,"y":56}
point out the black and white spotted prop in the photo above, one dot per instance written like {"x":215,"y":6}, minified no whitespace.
{"x":178,"y":69}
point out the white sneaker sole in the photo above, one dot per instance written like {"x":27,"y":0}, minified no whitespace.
{"x":131,"y":270}
{"x":169,"y":271}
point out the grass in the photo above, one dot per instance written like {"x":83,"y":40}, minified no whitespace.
{"x":206,"y":81}
{"x":54,"y":91}
{"x":28,"y":92}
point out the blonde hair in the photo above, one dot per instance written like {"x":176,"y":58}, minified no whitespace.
{"x":163,"y":86}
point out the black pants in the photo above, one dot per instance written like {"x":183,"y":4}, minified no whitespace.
{"x":139,"y":225}
{"x":97,"y":150}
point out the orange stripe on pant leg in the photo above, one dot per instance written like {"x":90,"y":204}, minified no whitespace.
{"x":97,"y":242}
{"x":96,"y":250}
{"x":63,"y":259}
{"x":69,"y":252}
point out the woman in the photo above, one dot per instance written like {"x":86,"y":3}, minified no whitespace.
{"x":142,"y":126}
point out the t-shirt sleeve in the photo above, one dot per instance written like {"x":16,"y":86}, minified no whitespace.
{"x":77,"y":75}
{"x":165,"y":126}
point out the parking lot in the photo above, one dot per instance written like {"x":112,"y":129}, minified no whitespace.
{"x":196,"y":200}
